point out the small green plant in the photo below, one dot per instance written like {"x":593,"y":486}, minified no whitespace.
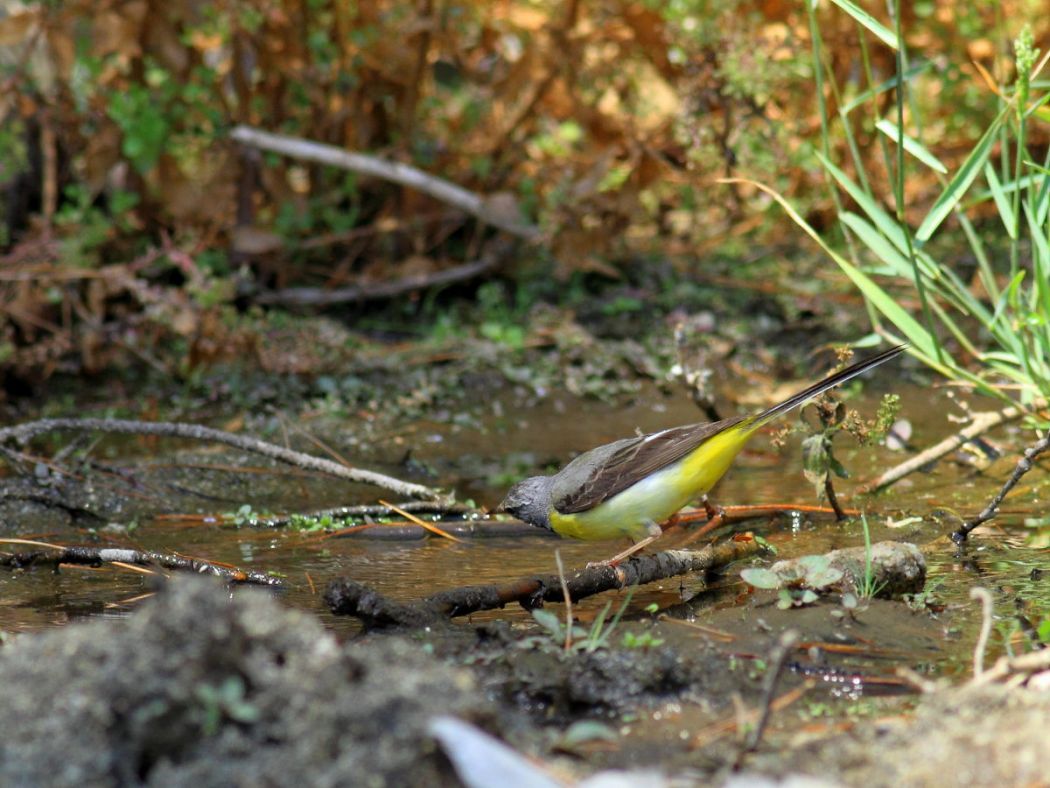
{"x":641,"y":640}
{"x":583,"y":640}
{"x":926,"y":600}
{"x":788,"y":598}
{"x":814,"y":572}
{"x":245,"y":515}
{"x":868,"y":586}
{"x":819,"y":463}
{"x":224,"y":702}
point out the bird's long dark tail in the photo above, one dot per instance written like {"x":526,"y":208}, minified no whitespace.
{"x":829,"y":382}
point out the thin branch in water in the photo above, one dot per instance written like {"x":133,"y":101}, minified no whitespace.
{"x":981,"y":423}
{"x":421,"y":523}
{"x":54,"y":555}
{"x":23,"y":432}
{"x":350,"y":598}
{"x":1024,"y":465}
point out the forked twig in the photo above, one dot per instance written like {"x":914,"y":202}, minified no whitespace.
{"x":1024,"y":465}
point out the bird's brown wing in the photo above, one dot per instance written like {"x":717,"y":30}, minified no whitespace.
{"x":625,"y":463}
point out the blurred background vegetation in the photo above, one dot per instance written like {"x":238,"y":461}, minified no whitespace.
{"x":131,"y":220}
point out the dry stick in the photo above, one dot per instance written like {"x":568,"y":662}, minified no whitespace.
{"x":567,"y":598}
{"x":438,"y":188}
{"x":982,"y":422}
{"x":421,"y":523}
{"x":987,"y":605}
{"x":718,"y":516}
{"x":347,"y":597}
{"x":1022,"y":664}
{"x":1024,"y":465}
{"x":777,"y":660}
{"x":320,"y":296}
{"x":348,"y":512}
{"x":96,"y":556}
{"x":23,"y":432}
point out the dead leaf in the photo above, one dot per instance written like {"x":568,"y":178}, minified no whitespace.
{"x":17,"y":28}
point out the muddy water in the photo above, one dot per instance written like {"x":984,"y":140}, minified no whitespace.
{"x":465,"y":457}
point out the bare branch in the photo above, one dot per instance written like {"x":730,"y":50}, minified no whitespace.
{"x":23,"y":432}
{"x":982,"y":422}
{"x":349,"y":598}
{"x":320,"y":296}
{"x":394,"y":171}
{"x":96,"y":556}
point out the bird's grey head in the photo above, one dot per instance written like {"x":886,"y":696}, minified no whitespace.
{"x":530,"y":500}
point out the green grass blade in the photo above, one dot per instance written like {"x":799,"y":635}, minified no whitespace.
{"x":912,"y":330}
{"x":873,"y":25}
{"x":1006,"y":210}
{"x":885,"y":223}
{"x":958,"y":185}
{"x":912,"y":146}
{"x":883,"y":86}
{"x":1040,"y":264}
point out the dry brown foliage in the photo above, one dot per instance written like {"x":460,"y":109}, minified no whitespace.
{"x":606,"y":123}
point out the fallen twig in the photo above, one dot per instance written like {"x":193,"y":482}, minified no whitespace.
{"x":987,"y":610}
{"x":1024,"y":465}
{"x":468,"y":529}
{"x":23,"y":432}
{"x":53,"y":555}
{"x":349,"y":598}
{"x":394,"y":171}
{"x":1011,"y":667}
{"x":321,"y":296}
{"x":717,"y":516}
{"x":777,"y":660}
{"x":343,"y":512}
{"x":981,"y":423}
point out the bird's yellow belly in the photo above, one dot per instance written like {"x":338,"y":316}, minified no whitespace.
{"x":658,"y":496}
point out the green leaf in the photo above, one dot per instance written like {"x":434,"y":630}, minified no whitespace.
{"x":760,"y":578}
{"x":874,"y":26}
{"x":837,"y":467}
{"x":882,"y":87}
{"x":923,"y":344}
{"x":815,"y":456}
{"x":958,"y":185}
{"x":1002,"y":202}
{"x":912,"y":146}
{"x":549,"y":621}
{"x":885,"y":223}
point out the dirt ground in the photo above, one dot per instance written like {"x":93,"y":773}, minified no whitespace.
{"x":201,"y":687}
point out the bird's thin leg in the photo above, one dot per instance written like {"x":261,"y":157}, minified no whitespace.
{"x":712,"y":510}
{"x":654,"y":533}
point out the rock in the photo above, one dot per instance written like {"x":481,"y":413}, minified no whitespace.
{"x":897,"y":567}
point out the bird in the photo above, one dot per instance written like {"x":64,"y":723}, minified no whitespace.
{"x":628,"y":487}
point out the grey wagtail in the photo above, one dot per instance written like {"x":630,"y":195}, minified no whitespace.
{"x":627,"y":487}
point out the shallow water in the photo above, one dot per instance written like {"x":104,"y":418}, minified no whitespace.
{"x":1001,"y":557}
